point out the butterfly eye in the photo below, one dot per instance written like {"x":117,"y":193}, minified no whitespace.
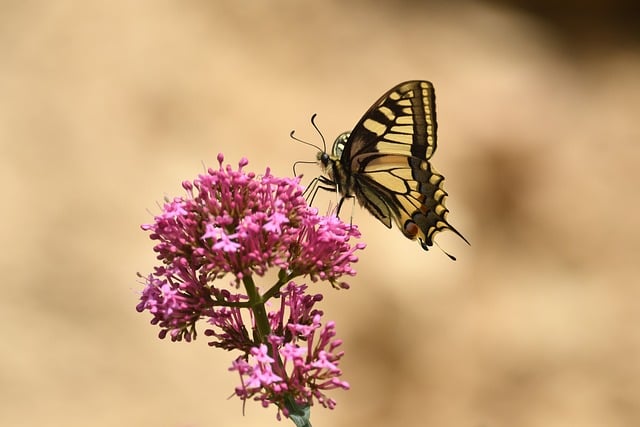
{"x":323,"y":158}
{"x":338,"y":145}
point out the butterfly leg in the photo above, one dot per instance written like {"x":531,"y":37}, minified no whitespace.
{"x":341,"y":201}
{"x":319,"y":183}
{"x":310,"y":190}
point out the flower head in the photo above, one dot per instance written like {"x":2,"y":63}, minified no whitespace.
{"x":233,"y":223}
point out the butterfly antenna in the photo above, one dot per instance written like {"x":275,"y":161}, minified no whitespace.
{"x":292,"y":136}
{"x":324,"y":143}
{"x":313,"y":122}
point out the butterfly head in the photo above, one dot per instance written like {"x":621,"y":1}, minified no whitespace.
{"x":332,"y":164}
{"x":327,"y":160}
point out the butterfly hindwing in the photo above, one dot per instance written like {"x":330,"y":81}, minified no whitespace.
{"x":384,"y":163}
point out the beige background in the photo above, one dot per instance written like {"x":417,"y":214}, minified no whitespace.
{"x":105,"y":107}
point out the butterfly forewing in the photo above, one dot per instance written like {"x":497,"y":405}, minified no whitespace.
{"x":402,"y":121}
{"x":384,"y":163}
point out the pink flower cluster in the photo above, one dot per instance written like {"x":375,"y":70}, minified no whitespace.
{"x":234,"y":223}
{"x":305,"y":363}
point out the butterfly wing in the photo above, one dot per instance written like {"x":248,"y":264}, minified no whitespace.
{"x":387,"y":157}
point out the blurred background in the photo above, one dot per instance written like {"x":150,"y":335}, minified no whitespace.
{"x":105,"y":107}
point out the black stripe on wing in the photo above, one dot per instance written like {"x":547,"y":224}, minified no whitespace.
{"x":411,"y":195}
{"x":402,"y":121}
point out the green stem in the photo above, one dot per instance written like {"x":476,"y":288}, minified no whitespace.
{"x":275,"y":288}
{"x":298,"y":414}
{"x":256,"y":303}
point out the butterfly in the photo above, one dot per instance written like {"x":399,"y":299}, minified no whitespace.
{"x":384,"y":162}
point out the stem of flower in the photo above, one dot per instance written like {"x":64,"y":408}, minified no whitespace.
{"x":284,"y":279}
{"x":256,"y":303}
{"x":263,"y":329}
{"x":298,"y":414}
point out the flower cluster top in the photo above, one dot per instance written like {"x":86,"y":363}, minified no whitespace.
{"x":239,"y":223}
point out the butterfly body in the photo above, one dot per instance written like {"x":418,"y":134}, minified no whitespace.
{"x":384,"y":163}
